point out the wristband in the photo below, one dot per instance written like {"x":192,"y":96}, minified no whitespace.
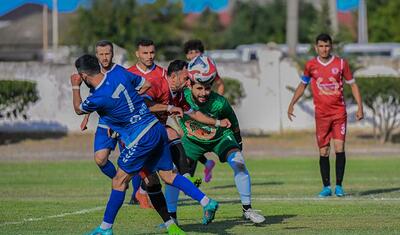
{"x":217,"y":123}
{"x":169,"y":107}
{"x":76,"y":87}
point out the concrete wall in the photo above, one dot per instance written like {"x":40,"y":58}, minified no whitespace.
{"x":263,"y":109}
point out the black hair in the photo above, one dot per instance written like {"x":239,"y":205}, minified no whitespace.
{"x":144,"y":42}
{"x":323,"y":37}
{"x":176,"y":66}
{"x":194,"y":44}
{"x":103,"y":43}
{"x":88,"y":64}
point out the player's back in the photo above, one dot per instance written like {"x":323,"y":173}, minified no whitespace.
{"x":119,"y":104}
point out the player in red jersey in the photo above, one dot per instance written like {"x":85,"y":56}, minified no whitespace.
{"x":326,"y":74}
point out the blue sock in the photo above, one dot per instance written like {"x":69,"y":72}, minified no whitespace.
{"x":114,"y":203}
{"x":136,"y":181}
{"x":109,"y":169}
{"x":171,"y":197}
{"x":242,"y":177}
{"x":188,"y":187}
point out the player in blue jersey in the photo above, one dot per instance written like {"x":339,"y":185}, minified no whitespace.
{"x":116,"y":99}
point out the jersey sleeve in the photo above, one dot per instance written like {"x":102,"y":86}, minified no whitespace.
{"x":136,"y":80}
{"x":346,"y":73}
{"x":306,"y":77}
{"x":91,"y":104}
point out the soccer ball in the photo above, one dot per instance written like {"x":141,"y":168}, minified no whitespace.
{"x":202,"y":69}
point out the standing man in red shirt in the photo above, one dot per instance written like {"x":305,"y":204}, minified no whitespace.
{"x":326,"y":74}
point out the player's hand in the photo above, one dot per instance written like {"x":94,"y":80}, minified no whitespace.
{"x":84,"y":123}
{"x":359,"y":114}
{"x":290,"y":113}
{"x":225,"y":123}
{"x":112,"y":134}
{"x":76,"y":80}
{"x":177,"y":111}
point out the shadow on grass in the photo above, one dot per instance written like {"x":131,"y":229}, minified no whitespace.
{"x":222,"y":227}
{"x":191,"y":202}
{"x":13,"y":138}
{"x":253,"y":184}
{"x":378,"y":191}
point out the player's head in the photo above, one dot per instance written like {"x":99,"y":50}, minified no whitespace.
{"x":200,"y":91}
{"x":145,"y":52}
{"x":193,"y":48}
{"x":87,"y":67}
{"x":323,"y":45}
{"x":202,"y":69}
{"x":105,"y":53}
{"x":177,"y":74}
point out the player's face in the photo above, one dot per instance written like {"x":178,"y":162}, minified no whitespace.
{"x":192,"y":54}
{"x":201,"y":92}
{"x":105,"y":56}
{"x":145,"y":55}
{"x":179,"y":80}
{"x":323,"y":49}
{"x":85,"y":79}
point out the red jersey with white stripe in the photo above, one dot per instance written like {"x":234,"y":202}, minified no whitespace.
{"x":159,"y":91}
{"x":178,"y":100}
{"x":327,"y":84}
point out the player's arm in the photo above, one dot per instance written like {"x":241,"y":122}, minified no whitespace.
{"x":145,"y":87}
{"x":201,"y":117}
{"x":85,"y":122}
{"x":348,"y":78}
{"x":219,"y":85}
{"x":296,"y":96}
{"x":76,"y":82}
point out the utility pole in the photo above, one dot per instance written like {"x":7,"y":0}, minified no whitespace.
{"x":333,"y":16}
{"x":55,"y":25}
{"x":362,"y":22}
{"x":45,"y":37}
{"x":292,"y":24}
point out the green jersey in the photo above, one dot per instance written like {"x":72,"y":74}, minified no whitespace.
{"x":216,"y":107}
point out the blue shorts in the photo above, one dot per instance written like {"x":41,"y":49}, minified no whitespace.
{"x":103,"y":141}
{"x":151,"y":152}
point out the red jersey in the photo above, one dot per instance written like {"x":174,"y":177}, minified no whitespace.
{"x":178,"y":100}
{"x":327,"y":84}
{"x":159,"y":91}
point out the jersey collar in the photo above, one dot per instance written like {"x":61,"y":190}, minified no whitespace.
{"x":102,"y":81}
{"x":327,"y":63}
{"x":148,"y":70}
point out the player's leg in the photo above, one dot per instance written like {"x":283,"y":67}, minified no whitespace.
{"x":208,"y":167}
{"x":136,"y":186}
{"x":228,"y":151}
{"x":103,"y":145}
{"x":339,"y":135}
{"x":119,"y":185}
{"x":324,"y":133}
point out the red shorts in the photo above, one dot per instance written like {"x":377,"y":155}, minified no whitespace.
{"x":330,"y":127}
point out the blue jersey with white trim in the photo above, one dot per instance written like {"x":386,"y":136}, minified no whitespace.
{"x":119,"y":105}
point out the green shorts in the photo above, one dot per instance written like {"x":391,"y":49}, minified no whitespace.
{"x":221,"y":146}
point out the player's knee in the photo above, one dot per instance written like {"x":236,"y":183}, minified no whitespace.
{"x":167,"y":176}
{"x":236,"y":161}
{"x":152,"y":180}
{"x":119,"y":183}
{"x":101,"y":157}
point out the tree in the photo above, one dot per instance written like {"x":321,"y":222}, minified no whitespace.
{"x":383,"y":20}
{"x":16,"y":97}
{"x":234,"y":91}
{"x":382,"y":96}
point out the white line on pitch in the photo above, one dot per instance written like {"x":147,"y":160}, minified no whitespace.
{"x":84,"y":211}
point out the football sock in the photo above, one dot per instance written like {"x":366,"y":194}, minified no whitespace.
{"x":158,"y":200}
{"x":325,"y":170}
{"x":136,"y":181}
{"x":202,"y":160}
{"x":105,"y":225}
{"x":173,"y":215}
{"x":109,"y":169}
{"x":114,"y":203}
{"x":172,"y":197}
{"x":242,"y":177}
{"x":188,"y":188}
{"x":340,"y":166}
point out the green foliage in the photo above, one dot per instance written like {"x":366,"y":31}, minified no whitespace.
{"x":234,"y":91}
{"x":382,"y":96}
{"x":125,"y":21}
{"x":15,"y":98}
{"x":383,"y":20}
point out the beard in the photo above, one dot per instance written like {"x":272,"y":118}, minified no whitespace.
{"x":88,"y":85}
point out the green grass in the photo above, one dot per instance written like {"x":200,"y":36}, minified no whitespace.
{"x":69,"y":198}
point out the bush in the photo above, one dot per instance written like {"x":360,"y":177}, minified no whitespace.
{"x":15,"y":98}
{"x":234,"y":91}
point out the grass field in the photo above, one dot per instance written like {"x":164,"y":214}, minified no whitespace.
{"x":69,"y":198}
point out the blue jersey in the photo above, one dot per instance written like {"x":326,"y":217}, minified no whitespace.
{"x":119,"y":105}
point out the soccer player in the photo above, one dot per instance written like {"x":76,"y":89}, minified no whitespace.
{"x":326,"y":74}
{"x":199,"y":139}
{"x":116,"y":99}
{"x":192,"y":49}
